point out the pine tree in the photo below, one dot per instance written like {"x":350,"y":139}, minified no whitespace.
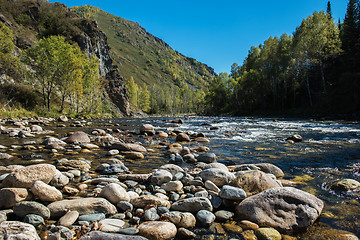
{"x":328,"y":10}
{"x":350,"y":28}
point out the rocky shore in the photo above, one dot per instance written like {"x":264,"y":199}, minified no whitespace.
{"x":73,"y":199}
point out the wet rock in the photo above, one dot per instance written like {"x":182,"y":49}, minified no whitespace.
{"x":151,"y":214}
{"x":24,"y":208}
{"x":5,"y":156}
{"x":216,"y":165}
{"x":63,"y":119}
{"x":163,"y":134}
{"x":223,"y":215}
{"x":203,"y":193}
{"x":66,"y":165}
{"x":267,"y":234}
{"x":60,"y":233}
{"x":114,"y":193}
{"x":181,"y":219}
{"x":45,"y":192}
{"x":125,"y":206}
{"x":207,"y":158}
{"x":89,"y":146}
{"x":113,"y":152}
{"x":249,"y":235}
{"x":92,"y":217}
{"x":149,"y":200}
{"x":205,"y":218}
{"x":10,"y":196}
{"x":129,"y":231}
{"x":202,"y":140}
{"x":25,"y":177}
{"x":147,"y":129}
{"x":253,"y":182}
{"x":161,"y":176}
{"x":82,"y":205}
{"x":178,"y":121}
{"x":33,"y":219}
{"x":270,"y":168}
{"x":115,"y":168}
{"x":128,"y":147}
{"x":218,"y":176}
{"x":157,"y":230}
{"x":135,"y":177}
{"x":36,"y":128}
{"x":346,"y":185}
{"x":286,"y":209}
{"x":183,"y":233}
{"x":97,"y":235}
{"x":113,"y":225}
{"x":59,"y":180}
{"x":216,"y":201}
{"x":174,"y":186}
{"x":194,"y":204}
{"x":295,"y":138}
{"x":134,"y":155}
{"x":17,"y":230}
{"x":52,"y":142}
{"x":211,"y":186}
{"x":69,"y":218}
{"x":248,"y":225}
{"x":232,"y":193}
{"x":182,"y":137}
{"x":78,"y":137}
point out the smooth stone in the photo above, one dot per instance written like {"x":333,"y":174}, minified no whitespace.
{"x":182,"y":137}
{"x":216,"y":165}
{"x":163,"y":134}
{"x":202,"y":140}
{"x":203,"y":193}
{"x":70,"y":190}
{"x":172,"y":168}
{"x":207,"y":158}
{"x":248,"y":235}
{"x":131,"y":183}
{"x":24,"y":208}
{"x":161,"y":176}
{"x":162,"y":210}
{"x":194,"y":204}
{"x":36,"y":128}
{"x":124,"y":206}
{"x":156,"y":230}
{"x":147,"y":200}
{"x":75,"y":172}
{"x":218,"y":176}
{"x":69,"y":218}
{"x":184,"y":233}
{"x":60,"y":233}
{"x":172,"y":186}
{"x":5,"y":156}
{"x":181,"y":219}
{"x":67,"y":165}
{"x":114,"y":193}
{"x":211,"y":186}
{"x":92,"y":217}
{"x":205,"y":218}
{"x":245,"y":224}
{"x":63,"y":119}
{"x":113,"y":225}
{"x":148,"y":129}
{"x":232,"y":193}
{"x":83,"y":206}
{"x":134,"y":155}
{"x":270,"y":168}
{"x":10,"y":196}
{"x":78,"y":137}
{"x":45,"y":192}
{"x":129,"y":231}
{"x":89,"y":146}
{"x":151,"y":214}
{"x":267,"y":234}
{"x":9,"y":168}
{"x":254,"y":181}
{"x":216,"y":201}
{"x":112,"y":152}
{"x":60,"y":180}
{"x":18,"y":231}
{"x":223,"y":215}
{"x":286,"y":209}
{"x":98,"y":235}
{"x":174,"y":197}
{"x":33,"y":219}
{"x":25,"y":177}
{"x":232,"y":228}
{"x":346,"y":185}
{"x":128,"y":147}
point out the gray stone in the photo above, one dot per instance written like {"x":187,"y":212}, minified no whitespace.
{"x":18,"y":230}
{"x":202,"y":193}
{"x":181,"y":219}
{"x":78,"y":137}
{"x":172,"y":168}
{"x":151,"y":214}
{"x":92,"y":217}
{"x":218,"y":176}
{"x":59,"y":180}
{"x":66,"y":165}
{"x":114,"y":193}
{"x":182,"y":137}
{"x":161,"y":176}
{"x":162,"y":210}
{"x":211,"y":186}
{"x":129,"y":231}
{"x":113,"y":225}
{"x":270,"y":168}
{"x":125,"y":206}
{"x":148,"y":129}
{"x":68,"y":219}
{"x":223,"y":215}
{"x":194,"y":204}
{"x":232,"y":193}
{"x":33,"y":219}
{"x":286,"y":209}
{"x":5,"y":156}
{"x":207,"y":158}
{"x":97,"y":235}
{"x":205,"y":218}
{"x":216,"y":201}
{"x":60,"y":233}
{"x":24,"y":208}
{"x":216,"y":165}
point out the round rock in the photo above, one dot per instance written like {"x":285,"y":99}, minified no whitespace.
{"x":114,"y":193}
{"x":232,"y":193}
{"x":218,"y":176}
{"x":156,"y":230}
{"x":45,"y":192}
{"x":24,"y":208}
{"x":18,"y":230}
{"x":205,"y":218}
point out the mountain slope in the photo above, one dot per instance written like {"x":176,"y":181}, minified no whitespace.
{"x":147,"y":58}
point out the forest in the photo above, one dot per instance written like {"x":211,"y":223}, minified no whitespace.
{"x":314,"y":71}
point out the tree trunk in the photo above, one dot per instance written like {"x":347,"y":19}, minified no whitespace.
{"x":308,"y":90}
{"x":323,"y":82}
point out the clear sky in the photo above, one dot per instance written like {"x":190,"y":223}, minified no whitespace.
{"x":219,"y":32}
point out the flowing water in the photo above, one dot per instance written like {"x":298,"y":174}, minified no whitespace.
{"x":330,"y":152}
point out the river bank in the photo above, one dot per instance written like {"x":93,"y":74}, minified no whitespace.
{"x":233,"y":141}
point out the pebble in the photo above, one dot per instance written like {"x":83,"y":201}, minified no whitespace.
{"x":206,"y":218}
{"x":33,"y":219}
{"x":69,"y":218}
{"x":151,"y":214}
{"x":224,"y":215}
{"x":92,"y":217}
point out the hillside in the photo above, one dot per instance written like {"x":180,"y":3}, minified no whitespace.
{"x":150,"y":60}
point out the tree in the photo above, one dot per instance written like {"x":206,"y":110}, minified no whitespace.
{"x":9,"y":64}
{"x":328,"y":10}
{"x":132,"y":88}
{"x":350,"y":28}
{"x":144,"y":98}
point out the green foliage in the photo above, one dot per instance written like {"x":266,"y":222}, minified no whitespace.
{"x":132,"y":88}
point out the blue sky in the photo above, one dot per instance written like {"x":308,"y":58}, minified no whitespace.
{"x":217,"y":33}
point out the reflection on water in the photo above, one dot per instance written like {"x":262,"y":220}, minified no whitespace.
{"x":330,"y":151}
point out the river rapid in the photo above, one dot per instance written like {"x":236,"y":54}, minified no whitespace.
{"x":330,"y":152}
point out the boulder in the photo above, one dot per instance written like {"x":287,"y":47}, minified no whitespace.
{"x":174,"y":186}
{"x":286,"y":209}
{"x":147,"y":129}
{"x":25,"y":177}
{"x":18,"y":230}
{"x":114,"y":193}
{"x":194,"y":204}
{"x":207,"y":157}
{"x":218,"y":176}
{"x":82,"y":205}
{"x":181,"y":219}
{"x":182,"y":137}
{"x":45,"y":192}
{"x":254,"y":181}
{"x":161,"y":176}
{"x":345,"y":185}
{"x":232,"y":193}
{"x":128,"y":147}
{"x":24,"y":208}
{"x":78,"y":137}
{"x":205,"y":217}
{"x":172,"y":168}
{"x":147,"y":200}
{"x":97,"y":235}
{"x":156,"y":230}
{"x":66,"y":165}
{"x":10,"y":196}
